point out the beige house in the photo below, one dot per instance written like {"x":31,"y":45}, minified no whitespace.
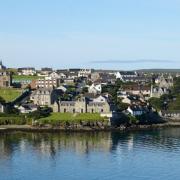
{"x":163,"y":82}
{"x":47,"y":82}
{"x":138,"y":90}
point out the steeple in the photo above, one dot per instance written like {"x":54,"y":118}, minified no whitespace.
{"x":1,"y":65}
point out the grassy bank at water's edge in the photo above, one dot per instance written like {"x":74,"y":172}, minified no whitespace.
{"x":10,"y":94}
{"x":68,"y":117}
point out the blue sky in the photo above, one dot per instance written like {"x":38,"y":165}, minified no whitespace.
{"x":108,"y":34}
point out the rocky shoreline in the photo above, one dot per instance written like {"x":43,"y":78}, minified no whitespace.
{"x":49,"y":128}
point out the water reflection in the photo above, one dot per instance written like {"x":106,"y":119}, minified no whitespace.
{"x":49,"y":144}
{"x":91,"y":155}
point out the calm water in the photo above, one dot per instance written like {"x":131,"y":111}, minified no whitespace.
{"x":90,"y":156}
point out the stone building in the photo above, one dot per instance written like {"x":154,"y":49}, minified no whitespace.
{"x":78,"y":106}
{"x":172,"y":114}
{"x":5,"y":79}
{"x":137,"y":89}
{"x":163,"y":82}
{"x":103,"y":78}
{"x":159,"y":91}
{"x":162,"y":86}
{"x":83,"y":105}
{"x":44,"y":96}
{"x":98,"y":107}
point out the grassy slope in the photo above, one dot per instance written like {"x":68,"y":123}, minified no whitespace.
{"x":73,"y":117}
{"x":22,"y":77}
{"x":9,"y":94}
{"x":175,"y":105}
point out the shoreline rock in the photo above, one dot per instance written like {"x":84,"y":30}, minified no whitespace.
{"x":80,"y":128}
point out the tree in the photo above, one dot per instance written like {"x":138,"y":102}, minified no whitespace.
{"x":10,"y":109}
{"x":40,"y":113}
{"x":176,"y":88}
{"x":120,"y":105}
{"x":155,"y":103}
{"x":85,"y":90}
{"x":2,"y":100}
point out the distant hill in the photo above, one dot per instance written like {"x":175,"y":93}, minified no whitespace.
{"x":159,"y":70}
{"x":143,"y":70}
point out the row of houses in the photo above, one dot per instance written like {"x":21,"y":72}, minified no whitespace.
{"x":50,"y":86}
{"x":83,"y":104}
{"x":30,"y":71}
{"x":86,"y":103}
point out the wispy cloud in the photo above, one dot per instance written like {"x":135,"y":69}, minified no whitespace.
{"x":138,"y":61}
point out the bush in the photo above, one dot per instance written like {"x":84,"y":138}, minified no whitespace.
{"x":12,"y":121}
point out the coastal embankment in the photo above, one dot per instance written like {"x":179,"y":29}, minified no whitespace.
{"x":90,"y":127}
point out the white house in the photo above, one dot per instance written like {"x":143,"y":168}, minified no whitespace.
{"x":126,"y":100}
{"x":62,"y":75}
{"x":84,"y":72}
{"x":125,"y":74}
{"x":95,"y":89}
{"x":54,"y":75}
{"x":136,"y":110}
{"x":27,"y":108}
{"x":62,"y":88}
{"x":99,"y":99}
{"x":27,"y":71}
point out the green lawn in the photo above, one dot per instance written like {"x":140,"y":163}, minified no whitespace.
{"x":175,"y":105}
{"x":9,"y":94}
{"x":22,"y":77}
{"x":73,"y":117}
